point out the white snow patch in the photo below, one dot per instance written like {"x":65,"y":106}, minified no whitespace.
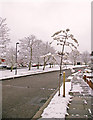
{"x":75,"y":73}
{"x":85,"y":102}
{"x":88,"y":70}
{"x":22,"y":72}
{"x":77,"y":88}
{"x":70,"y":77}
{"x":89,"y":111}
{"x":58,"y":106}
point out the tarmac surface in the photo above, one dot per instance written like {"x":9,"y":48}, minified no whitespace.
{"x":81,"y":107}
{"x":22,"y":97}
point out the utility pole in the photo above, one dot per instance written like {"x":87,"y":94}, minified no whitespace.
{"x":16,"y":58}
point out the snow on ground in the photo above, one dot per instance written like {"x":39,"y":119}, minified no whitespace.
{"x":77,"y":88}
{"x":24,"y":71}
{"x":70,"y":77}
{"x":57,"y":108}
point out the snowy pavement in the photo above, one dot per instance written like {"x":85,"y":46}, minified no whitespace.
{"x":60,"y":106}
{"x":4,"y":74}
{"x":81,"y":105}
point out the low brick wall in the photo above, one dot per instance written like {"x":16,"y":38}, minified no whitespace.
{"x":89,"y":82}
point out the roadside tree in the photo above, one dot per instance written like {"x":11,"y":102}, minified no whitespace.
{"x":63,"y":38}
{"x":4,"y":37}
{"x":10,"y":58}
{"x":37,"y":52}
{"x":85,"y":57}
{"x":47,"y":53}
{"x":73,"y":56}
{"x":26,"y":49}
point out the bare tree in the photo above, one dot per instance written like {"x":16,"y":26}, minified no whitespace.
{"x":85,"y":57}
{"x":26,"y":45}
{"x":46,"y":53}
{"x":73,"y":56}
{"x":65,"y":57}
{"x":62,"y":37}
{"x":37,"y":52}
{"x":10,"y":57}
{"x":31,"y":49}
{"x":4,"y":37}
{"x":46,"y":59}
{"x":53,"y":60}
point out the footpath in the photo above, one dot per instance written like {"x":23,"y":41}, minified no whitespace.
{"x":81,"y":106}
{"x":76,"y":105}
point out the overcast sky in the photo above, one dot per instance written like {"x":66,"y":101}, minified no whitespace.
{"x":44,"y":17}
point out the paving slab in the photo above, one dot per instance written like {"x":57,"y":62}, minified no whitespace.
{"x":81,"y":106}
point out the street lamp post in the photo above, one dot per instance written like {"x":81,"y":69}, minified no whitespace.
{"x":16,"y":58}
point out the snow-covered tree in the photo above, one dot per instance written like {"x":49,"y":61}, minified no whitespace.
{"x":4,"y":37}
{"x":65,"y":56}
{"x":53,"y":60}
{"x":46,"y":53}
{"x":31,"y":49}
{"x":46,"y":58}
{"x":26,"y":49}
{"x":10,"y":57}
{"x":64,"y":38}
{"x":37,"y":52}
{"x":85,"y":57}
{"x":73,"y":56}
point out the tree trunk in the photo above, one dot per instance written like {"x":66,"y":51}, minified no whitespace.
{"x":11,"y":68}
{"x":30,"y":59}
{"x":74,"y":62}
{"x":50,"y":65}
{"x":44,"y":64}
{"x":38,"y":64}
{"x":30,"y":65}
